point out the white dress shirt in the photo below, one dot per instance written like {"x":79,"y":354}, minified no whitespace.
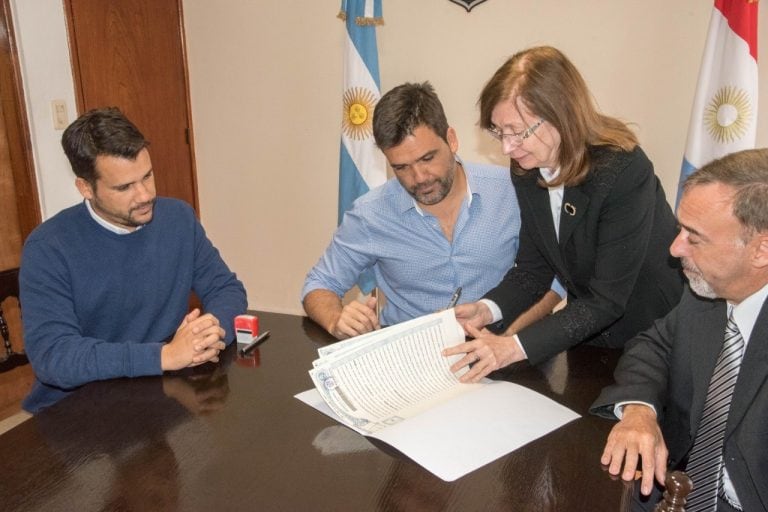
{"x":106,"y":224}
{"x":556,"y":206}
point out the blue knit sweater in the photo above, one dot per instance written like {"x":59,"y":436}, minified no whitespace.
{"x":98,"y":305}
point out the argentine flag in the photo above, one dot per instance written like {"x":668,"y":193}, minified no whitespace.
{"x":724,"y":116}
{"x":361,"y":166}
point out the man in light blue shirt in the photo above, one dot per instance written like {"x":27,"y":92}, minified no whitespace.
{"x":438,"y":226}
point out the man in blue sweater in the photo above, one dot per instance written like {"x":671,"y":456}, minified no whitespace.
{"x":105,"y":284}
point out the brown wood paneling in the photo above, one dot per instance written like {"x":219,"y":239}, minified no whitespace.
{"x":130,"y":54}
{"x":19,"y":204}
{"x":16,"y":383}
{"x":10,"y":233}
{"x":15,"y":144}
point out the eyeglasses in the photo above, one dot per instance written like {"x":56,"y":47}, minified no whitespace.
{"x":514,"y":138}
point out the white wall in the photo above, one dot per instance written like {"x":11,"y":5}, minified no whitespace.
{"x":47,"y":75}
{"x":266,"y":100}
{"x":271,"y":124}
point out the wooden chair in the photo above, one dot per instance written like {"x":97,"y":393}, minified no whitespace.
{"x":9,"y":287}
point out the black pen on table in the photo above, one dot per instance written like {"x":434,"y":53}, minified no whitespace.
{"x":255,"y":343}
{"x":455,"y":298}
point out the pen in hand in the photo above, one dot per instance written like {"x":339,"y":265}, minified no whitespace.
{"x":256,"y":342}
{"x":455,"y":298}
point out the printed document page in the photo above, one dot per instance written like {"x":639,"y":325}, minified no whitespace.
{"x":379,"y":379}
{"x":395,"y":385}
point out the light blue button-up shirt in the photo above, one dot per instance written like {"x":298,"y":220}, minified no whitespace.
{"x":415,"y":266}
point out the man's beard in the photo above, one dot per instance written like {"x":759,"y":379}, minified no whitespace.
{"x":697,"y":282}
{"x":444,"y":186}
{"x":124,"y":219}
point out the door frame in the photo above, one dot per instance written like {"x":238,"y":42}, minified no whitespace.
{"x":18,"y":131}
{"x":80,"y":98}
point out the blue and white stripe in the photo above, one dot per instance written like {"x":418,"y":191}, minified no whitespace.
{"x":362,"y":166}
{"x":724,"y":114}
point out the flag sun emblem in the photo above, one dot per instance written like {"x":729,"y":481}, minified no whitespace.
{"x":357,"y":121}
{"x":728,"y":115}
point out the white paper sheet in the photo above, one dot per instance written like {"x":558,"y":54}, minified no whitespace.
{"x":498,"y":417}
{"x":378,"y":379}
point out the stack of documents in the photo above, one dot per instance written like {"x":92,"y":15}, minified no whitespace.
{"x":395,"y":385}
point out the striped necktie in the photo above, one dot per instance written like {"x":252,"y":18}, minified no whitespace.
{"x":705,"y":463}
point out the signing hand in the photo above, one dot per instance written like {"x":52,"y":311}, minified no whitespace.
{"x":487,"y":351}
{"x":637,"y":435}
{"x":197,"y":340}
{"x":356,"y":318}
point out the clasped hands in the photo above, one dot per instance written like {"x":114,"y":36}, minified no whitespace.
{"x":198,"y":340}
{"x":356,"y":318}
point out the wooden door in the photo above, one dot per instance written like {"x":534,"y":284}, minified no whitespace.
{"x":130,"y":54}
{"x":19,"y":204}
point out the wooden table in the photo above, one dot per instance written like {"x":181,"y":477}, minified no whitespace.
{"x":232,"y":437}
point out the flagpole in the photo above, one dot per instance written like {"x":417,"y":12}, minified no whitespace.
{"x":361,"y":165}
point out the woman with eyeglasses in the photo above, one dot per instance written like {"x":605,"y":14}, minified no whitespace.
{"x":594,"y":219}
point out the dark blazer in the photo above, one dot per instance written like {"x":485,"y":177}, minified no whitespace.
{"x":612,"y":257}
{"x":670,"y":366}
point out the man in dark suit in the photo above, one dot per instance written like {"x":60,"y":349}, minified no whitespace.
{"x":691,"y":392}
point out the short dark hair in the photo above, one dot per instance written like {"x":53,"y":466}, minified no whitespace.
{"x":747,"y":173}
{"x":100,"y":132}
{"x":405,"y":108}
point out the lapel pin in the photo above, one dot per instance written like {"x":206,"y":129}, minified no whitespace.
{"x":569,"y":209}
